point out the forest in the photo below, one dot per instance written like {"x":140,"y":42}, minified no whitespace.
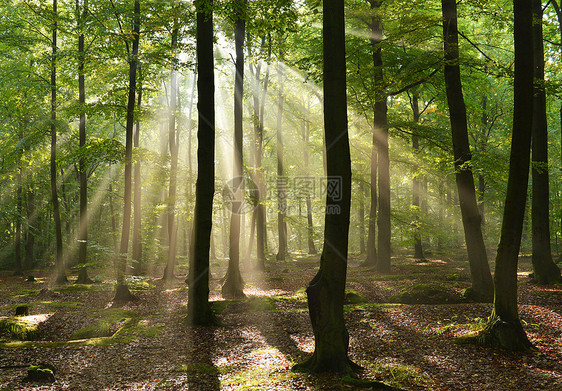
{"x":280,"y":195}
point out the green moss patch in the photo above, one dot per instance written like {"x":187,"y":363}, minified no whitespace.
{"x":251,"y":304}
{"x":110,"y":322}
{"x":26,"y":293}
{"x":354,"y":297}
{"x":401,"y":375}
{"x":54,"y":304}
{"x":20,"y":328}
{"x":426,"y":294}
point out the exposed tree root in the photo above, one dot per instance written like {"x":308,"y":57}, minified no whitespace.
{"x":83,"y":277}
{"x":341,"y":365}
{"x":123,"y":295}
{"x":502,"y":334}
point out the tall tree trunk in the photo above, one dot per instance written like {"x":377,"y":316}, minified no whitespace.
{"x":172,"y":226}
{"x":233,"y":284}
{"x":482,"y":286}
{"x":198,"y":308}
{"x":281,"y":180}
{"x":372,"y":221}
{"x":326,"y":290}
{"x":83,"y":229}
{"x":61,"y":272}
{"x":380,"y":139}
{"x":31,"y":222}
{"x":189,"y":229}
{"x":559,"y":17}
{"x":258,"y":109}
{"x":545,"y":270}
{"x":111,"y":206}
{"x":19,"y":209}
{"x":122,"y":293}
{"x":483,"y":141}
{"x":362,"y":194}
{"x":310,"y":226}
{"x":504,"y":327}
{"x":418,"y":248}
{"x":137,"y":196}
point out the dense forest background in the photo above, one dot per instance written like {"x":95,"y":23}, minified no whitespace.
{"x":106,"y":146}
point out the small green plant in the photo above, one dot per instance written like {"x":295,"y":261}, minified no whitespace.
{"x":401,"y":375}
{"x":139,"y":283}
{"x":40,"y":373}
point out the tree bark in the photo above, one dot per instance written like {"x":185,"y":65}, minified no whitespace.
{"x":260,"y":211}
{"x":545,"y":270}
{"x":83,"y":228}
{"x":418,"y":248}
{"x":481,"y":179}
{"x":233,"y":284}
{"x":559,"y":17}
{"x":122,"y":293}
{"x":310,"y":226}
{"x":326,"y":290}
{"x":137,"y":196}
{"x":172,"y":227}
{"x":31,"y":222}
{"x":198,"y":307}
{"x":61,"y":272}
{"x":19,"y":207}
{"x":504,"y":328}
{"x":380,"y":140}
{"x":482,"y":286}
{"x":281,"y":180}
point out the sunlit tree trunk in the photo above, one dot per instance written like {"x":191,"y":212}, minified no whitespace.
{"x":545,"y":270}
{"x":481,"y":179}
{"x":82,"y":13}
{"x":418,"y":248}
{"x":61,"y":273}
{"x":559,"y":17}
{"x":281,"y":180}
{"x":482,"y":285}
{"x":504,"y":327}
{"x":122,"y":293}
{"x":198,"y":308}
{"x":31,"y":222}
{"x":381,"y":258}
{"x":111,"y":203}
{"x":19,"y":207}
{"x":172,"y":228}
{"x":326,"y":290}
{"x":233,"y":284}
{"x":137,"y":206}
{"x":309,"y":222}
{"x":189,"y":227}
{"x":371,"y":258}
{"x":361,"y":212}
{"x":258,"y":113}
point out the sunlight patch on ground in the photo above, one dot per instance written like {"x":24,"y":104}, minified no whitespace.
{"x":258,"y":292}
{"x":36,"y":319}
{"x":303,"y":342}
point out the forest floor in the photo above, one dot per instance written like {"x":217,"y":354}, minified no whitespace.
{"x":402,"y":328}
